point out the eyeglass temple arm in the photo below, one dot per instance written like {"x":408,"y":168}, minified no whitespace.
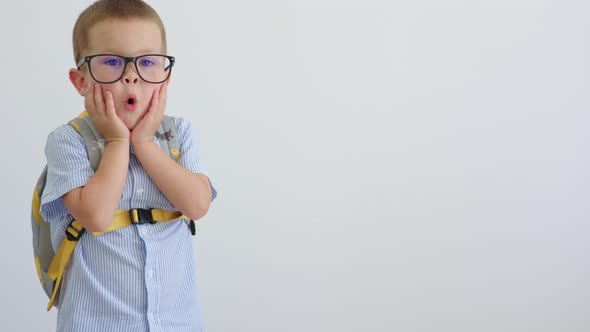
{"x":81,"y":63}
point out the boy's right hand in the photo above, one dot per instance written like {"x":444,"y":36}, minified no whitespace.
{"x":102,"y":112}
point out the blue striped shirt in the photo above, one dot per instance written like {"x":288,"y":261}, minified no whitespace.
{"x":136,"y":278}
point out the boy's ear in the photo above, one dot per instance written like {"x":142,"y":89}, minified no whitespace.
{"x":78,"y":79}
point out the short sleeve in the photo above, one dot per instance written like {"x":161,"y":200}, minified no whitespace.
{"x":190,"y":153}
{"x":68,"y":167}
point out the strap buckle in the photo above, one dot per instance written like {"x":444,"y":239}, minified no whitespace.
{"x":74,"y":231}
{"x":192,"y":227}
{"x":141,"y":216}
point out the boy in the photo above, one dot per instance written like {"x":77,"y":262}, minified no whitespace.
{"x":140,"y":277}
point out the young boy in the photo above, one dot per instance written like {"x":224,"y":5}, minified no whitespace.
{"x":140,"y":277}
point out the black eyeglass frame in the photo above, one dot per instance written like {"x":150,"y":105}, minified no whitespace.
{"x":127,"y":59}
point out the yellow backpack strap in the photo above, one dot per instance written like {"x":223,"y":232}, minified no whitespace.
{"x":75,"y":230}
{"x":62,"y":256}
{"x":125,"y":218}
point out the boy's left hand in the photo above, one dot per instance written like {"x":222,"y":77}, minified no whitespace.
{"x":146,"y":128}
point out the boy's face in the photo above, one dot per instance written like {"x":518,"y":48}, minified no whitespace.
{"x":128,"y":38}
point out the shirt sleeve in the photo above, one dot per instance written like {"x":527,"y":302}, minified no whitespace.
{"x":68,"y":167}
{"x":190,"y":153}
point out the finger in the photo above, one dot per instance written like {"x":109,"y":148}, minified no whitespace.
{"x":164,"y":96}
{"x":110,"y":105}
{"x":155,"y":102}
{"x":99,"y":100}
{"x":89,"y":100}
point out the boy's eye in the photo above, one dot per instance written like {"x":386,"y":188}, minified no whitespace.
{"x":112,"y":62}
{"x":146,"y":62}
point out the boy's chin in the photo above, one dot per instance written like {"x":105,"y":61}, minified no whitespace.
{"x":130,"y":121}
{"x":130,"y":125}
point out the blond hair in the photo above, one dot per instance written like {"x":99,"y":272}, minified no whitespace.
{"x":106,"y":9}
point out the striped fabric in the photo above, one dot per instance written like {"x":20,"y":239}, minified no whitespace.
{"x":137,"y":278}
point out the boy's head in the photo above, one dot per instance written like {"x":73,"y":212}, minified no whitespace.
{"x":111,"y":9}
{"x":105,"y":36}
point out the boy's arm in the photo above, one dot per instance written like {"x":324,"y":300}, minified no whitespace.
{"x":189,"y":192}
{"x":94,"y":205}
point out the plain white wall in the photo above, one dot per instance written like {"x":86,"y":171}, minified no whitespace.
{"x":381,"y":165}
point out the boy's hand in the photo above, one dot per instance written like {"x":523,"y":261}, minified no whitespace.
{"x":146,"y":128}
{"x":104,"y":116}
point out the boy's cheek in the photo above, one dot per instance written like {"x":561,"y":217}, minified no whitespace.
{"x":105,"y":89}
{"x":84,"y":90}
{"x":87,"y":87}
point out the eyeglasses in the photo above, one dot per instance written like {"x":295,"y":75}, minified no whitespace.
{"x":109,"y":68}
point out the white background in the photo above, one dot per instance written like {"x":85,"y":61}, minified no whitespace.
{"x":381,"y":165}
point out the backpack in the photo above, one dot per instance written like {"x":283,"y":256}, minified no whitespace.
{"x":51,"y":265}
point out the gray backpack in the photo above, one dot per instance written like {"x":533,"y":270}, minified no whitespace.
{"x":51,"y":265}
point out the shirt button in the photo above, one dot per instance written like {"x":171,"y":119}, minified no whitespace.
{"x":140,"y":190}
{"x":151,"y":273}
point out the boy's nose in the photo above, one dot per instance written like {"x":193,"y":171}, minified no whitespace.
{"x":130,"y":76}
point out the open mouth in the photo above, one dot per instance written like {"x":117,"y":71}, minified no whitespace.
{"x":131,"y":103}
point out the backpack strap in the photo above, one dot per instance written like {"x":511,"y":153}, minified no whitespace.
{"x":62,"y":256}
{"x":74,"y":231}
{"x":92,"y":138}
{"x":125,"y":218}
{"x":168,"y":138}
